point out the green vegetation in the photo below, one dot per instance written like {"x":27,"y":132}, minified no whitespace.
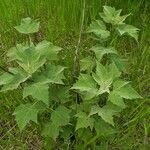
{"x":77,"y":96}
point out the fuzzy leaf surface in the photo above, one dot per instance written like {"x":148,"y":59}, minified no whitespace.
{"x":38,"y":91}
{"x":11,"y":82}
{"x":111,"y":15}
{"x":128,"y":29}
{"x":98,"y":28}
{"x":28,"y":26}
{"x":24,"y":114}
{"x":105,"y":113}
{"x":50,"y":130}
{"x":52,"y":74}
{"x":101,"y":51}
{"x":47,"y":49}
{"x":60,"y":116}
{"x":87,"y":63}
{"x":84,"y":121}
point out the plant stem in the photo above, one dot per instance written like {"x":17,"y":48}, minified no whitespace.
{"x":76,"y":65}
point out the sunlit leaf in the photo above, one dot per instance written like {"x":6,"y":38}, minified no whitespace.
{"x":28,"y":26}
{"x":128,"y":29}
{"x":101,"y":51}
{"x":99,"y":29}
{"x":111,"y":15}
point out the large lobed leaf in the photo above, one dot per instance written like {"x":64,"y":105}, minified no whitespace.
{"x":84,"y":121}
{"x":52,"y":74}
{"x":13,"y":80}
{"x":47,"y":49}
{"x":99,"y":29}
{"x":50,"y":130}
{"x":38,"y":91}
{"x":60,"y":116}
{"x":28,"y":26}
{"x":25,"y":113}
{"x":101,"y":51}
{"x":128,"y":29}
{"x":111,"y":15}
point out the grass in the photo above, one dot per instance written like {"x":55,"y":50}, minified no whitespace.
{"x":60,"y":23}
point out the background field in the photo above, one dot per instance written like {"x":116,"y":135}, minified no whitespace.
{"x":60,"y":24}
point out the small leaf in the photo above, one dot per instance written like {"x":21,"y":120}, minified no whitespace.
{"x":38,"y":91}
{"x":60,"y":116}
{"x":28,"y":26}
{"x":111,"y":15}
{"x":87,"y":63}
{"x":103,"y":78}
{"x":51,"y":130}
{"x":101,"y":51}
{"x":24,"y":114}
{"x":128,"y":29}
{"x":84,"y":121}
{"x":99,"y":29}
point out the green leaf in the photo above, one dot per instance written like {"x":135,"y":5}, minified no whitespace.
{"x":15,"y":52}
{"x":24,"y":114}
{"x":51,"y":130}
{"x":84,"y":83}
{"x":128,"y":29}
{"x":87,"y":63}
{"x":101,"y":51}
{"x":119,"y":62}
{"x":105,"y":113}
{"x":99,"y":29}
{"x":113,"y":71}
{"x":28,"y":26}
{"x":103,"y":78}
{"x":127,"y":92}
{"x":6,"y":78}
{"x":11,"y":82}
{"x":30,"y":60}
{"x":60,"y":116}
{"x":103,"y":129}
{"x":38,"y":91}
{"x":84,"y":121}
{"x":59,"y":94}
{"x":52,"y":74}
{"x":47,"y":49}
{"x":119,"y":84}
{"x":116,"y":100}
{"x":111,"y":15}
